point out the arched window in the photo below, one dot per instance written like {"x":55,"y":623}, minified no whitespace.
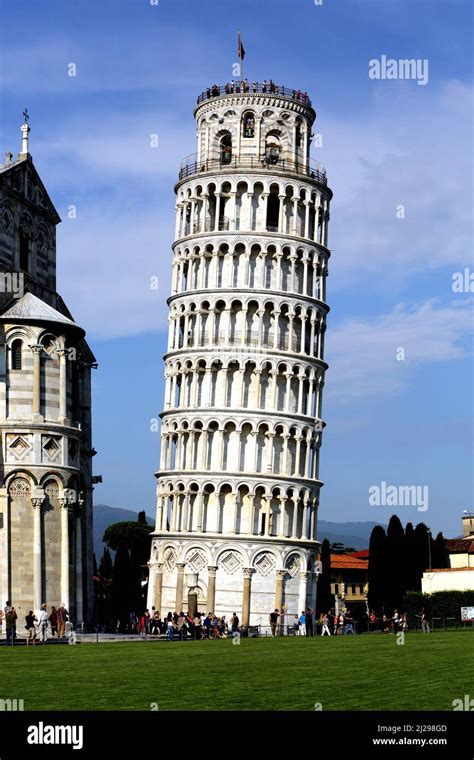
{"x":248,"y":125}
{"x":226,"y":149}
{"x":24,"y":251}
{"x":16,"y":354}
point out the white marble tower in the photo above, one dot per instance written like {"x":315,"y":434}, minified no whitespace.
{"x":238,"y":484}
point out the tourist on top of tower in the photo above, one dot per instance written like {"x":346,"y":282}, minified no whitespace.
{"x":245,"y":85}
{"x":264,"y":85}
{"x":272,"y":86}
{"x":254,"y":87}
{"x":273,"y":618}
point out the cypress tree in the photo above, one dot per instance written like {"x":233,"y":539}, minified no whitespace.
{"x":395,"y":555}
{"x":135,"y":576}
{"x":106,"y":565}
{"x":421,"y":554}
{"x":409,"y":560}
{"x":439,"y":552}
{"x":377,"y":569}
{"x":120,"y":583}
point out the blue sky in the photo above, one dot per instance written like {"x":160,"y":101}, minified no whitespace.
{"x":139,"y":68}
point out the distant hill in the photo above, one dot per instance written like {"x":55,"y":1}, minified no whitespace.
{"x":105,"y":516}
{"x":356,"y":534}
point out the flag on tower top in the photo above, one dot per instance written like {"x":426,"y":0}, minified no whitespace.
{"x":240,"y":48}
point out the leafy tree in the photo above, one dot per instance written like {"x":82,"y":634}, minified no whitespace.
{"x":377,"y":575}
{"x":324,"y":596}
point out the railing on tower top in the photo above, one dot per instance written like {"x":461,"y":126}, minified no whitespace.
{"x":253,"y":88}
{"x":191,"y":166}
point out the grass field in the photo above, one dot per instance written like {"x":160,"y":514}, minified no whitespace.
{"x":341,"y":673}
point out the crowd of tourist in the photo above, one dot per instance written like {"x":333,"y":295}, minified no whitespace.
{"x":181,"y":625}
{"x":244,"y":86}
{"x":41,"y":626}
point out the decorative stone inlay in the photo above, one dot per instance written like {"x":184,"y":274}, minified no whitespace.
{"x":51,"y":489}
{"x":19,"y":447}
{"x":170,"y":558}
{"x":196,"y":559}
{"x":230,"y":561}
{"x":293,"y":565}
{"x":264,"y":563}
{"x":19,"y":487}
{"x":51,"y":448}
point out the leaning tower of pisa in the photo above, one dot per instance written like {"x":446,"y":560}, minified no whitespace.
{"x":238,"y":483}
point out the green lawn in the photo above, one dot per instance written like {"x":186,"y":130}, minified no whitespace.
{"x":369,"y":672}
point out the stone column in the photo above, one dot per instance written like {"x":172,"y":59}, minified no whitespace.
{"x":211,"y":587}
{"x":203,"y":228}
{"x":62,"y":416}
{"x":64,"y":507}
{"x":36,"y":399}
{"x":37,"y":591}
{"x":79,"y":585}
{"x":246,"y":595}
{"x":180,"y":586}
{"x":294,"y":525}
{"x":218,"y":209}
{"x":159,"y":585}
{"x":280,"y":217}
{"x":280,"y":577}
{"x":295,"y":215}
{"x":316,"y":223}
{"x":304,"y":576}
{"x":306,"y":221}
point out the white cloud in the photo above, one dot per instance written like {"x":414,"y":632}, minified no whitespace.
{"x":362,"y":353}
{"x":411,"y":147}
